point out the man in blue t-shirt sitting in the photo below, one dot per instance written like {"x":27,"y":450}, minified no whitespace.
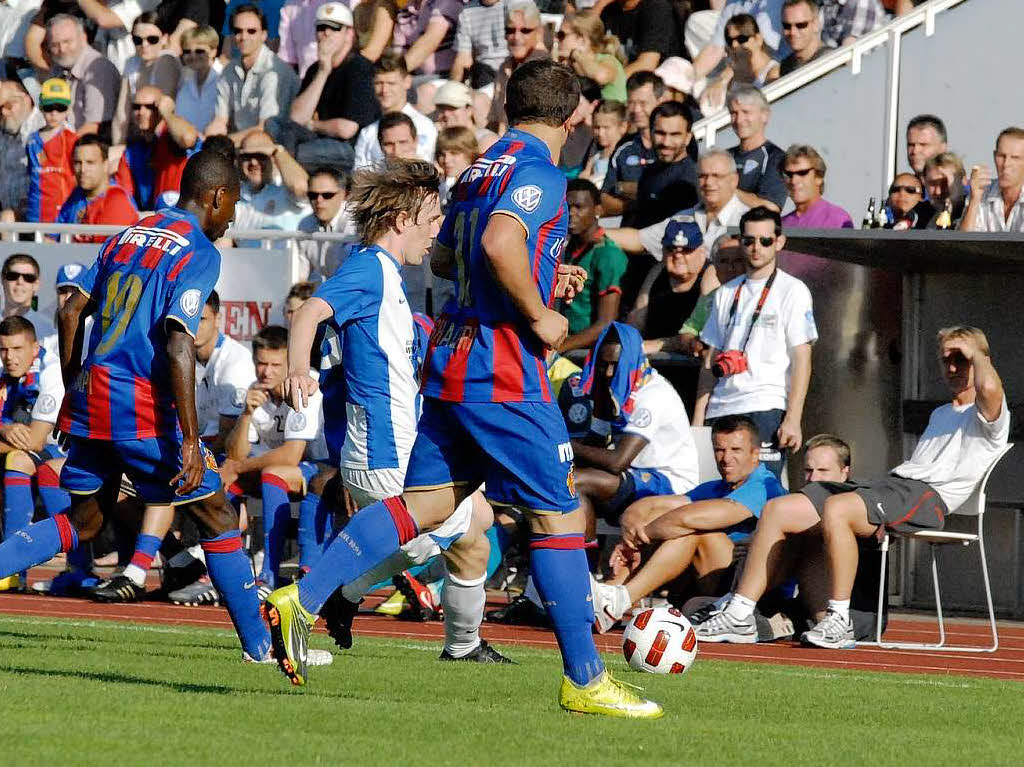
{"x":698,"y":529}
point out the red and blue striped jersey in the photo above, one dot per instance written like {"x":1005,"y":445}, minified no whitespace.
{"x":160,"y":270}
{"x":482,"y":349}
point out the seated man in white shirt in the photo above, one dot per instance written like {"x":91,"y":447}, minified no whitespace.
{"x":958,"y":445}
{"x":262,"y":203}
{"x":273,"y":451}
{"x":391,"y":83}
{"x":639,"y":442}
{"x":997,"y":205}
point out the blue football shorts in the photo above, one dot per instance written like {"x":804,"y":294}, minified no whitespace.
{"x":520,"y":451}
{"x":149,"y":463}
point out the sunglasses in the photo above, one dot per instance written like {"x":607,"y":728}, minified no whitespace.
{"x":748,"y":241}
{"x":786,"y":25}
{"x":137,"y":107}
{"x":54,"y":108}
{"x":509,"y":31}
{"x":900,"y":188}
{"x":738,"y":39}
{"x":801,"y":173}
{"x":327,"y":28}
{"x":245,"y":31}
{"x":196,"y":51}
{"x":151,"y":39}
{"x":252,"y":156}
{"x":26,"y":276}
{"x":313,"y":196}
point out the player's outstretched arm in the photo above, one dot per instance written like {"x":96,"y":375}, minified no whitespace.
{"x":504,"y":244}
{"x":181,"y":355}
{"x":71,"y":336}
{"x":299,"y":384}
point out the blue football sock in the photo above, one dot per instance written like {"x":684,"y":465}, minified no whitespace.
{"x":231,"y":574}
{"x":36,"y":544}
{"x":277,"y":513}
{"x":55,"y":499}
{"x":18,"y":504}
{"x":315,"y":529}
{"x":371,"y":536}
{"x":560,"y":572}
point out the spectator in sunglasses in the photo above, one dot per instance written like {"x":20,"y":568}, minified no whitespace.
{"x":905,"y":195}
{"x":749,"y":62}
{"x":255,"y":84}
{"x":801,"y":27}
{"x":153,"y":64}
{"x":20,"y":274}
{"x":327,"y":192}
{"x":524,"y":36}
{"x":803,"y":171}
{"x":263,"y":204}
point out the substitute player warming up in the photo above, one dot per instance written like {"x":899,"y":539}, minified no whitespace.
{"x":488,"y":412}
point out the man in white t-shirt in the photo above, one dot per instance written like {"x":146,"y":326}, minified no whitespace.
{"x":273,"y":451}
{"x":759,"y":335}
{"x":391,"y":83}
{"x":224,"y":372}
{"x":958,"y":445}
{"x":640,"y":417}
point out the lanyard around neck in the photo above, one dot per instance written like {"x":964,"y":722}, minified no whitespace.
{"x":757,"y":310}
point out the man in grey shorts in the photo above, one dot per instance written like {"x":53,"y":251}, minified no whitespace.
{"x":960,"y":442}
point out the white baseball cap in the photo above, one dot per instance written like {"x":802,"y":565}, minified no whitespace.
{"x":336,"y":15}
{"x":453,"y":94}
{"x":677,"y":73}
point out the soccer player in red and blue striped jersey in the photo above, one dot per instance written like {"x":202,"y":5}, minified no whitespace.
{"x":488,"y":411}
{"x":130,"y":406}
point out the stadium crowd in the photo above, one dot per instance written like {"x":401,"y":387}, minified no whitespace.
{"x":102,"y":104}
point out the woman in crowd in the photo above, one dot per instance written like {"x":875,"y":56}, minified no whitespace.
{"x":584,"y":45}
{"x":153,"y":64}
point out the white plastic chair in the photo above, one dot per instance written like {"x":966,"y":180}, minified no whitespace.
{"x":973,"y":506}
{"x":707,"y":468}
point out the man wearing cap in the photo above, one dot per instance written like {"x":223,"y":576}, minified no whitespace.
{"x":719,"y":207}
{"x":95,"y":200}
{"x":255,"y":85}
{"x":454,"y":109}
{"x":391,"y":84}
{"x":50,"y":179}
{"x":336,"y":99}
{"x":672,"y":287}
{"x":94,"y":80}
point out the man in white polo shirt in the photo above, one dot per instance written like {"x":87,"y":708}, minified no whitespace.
{"x":759,"y":335}
{"x":391,"y":83}
{"x":998,"y":205}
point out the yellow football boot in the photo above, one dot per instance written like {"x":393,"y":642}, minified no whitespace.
{"x":609,"y":697}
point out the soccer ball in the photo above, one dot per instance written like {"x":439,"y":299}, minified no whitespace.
{"x":660,"y":640}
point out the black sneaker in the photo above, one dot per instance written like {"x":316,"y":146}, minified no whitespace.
{"x":483,"y":653}
{"x":175,"y":578}
{"x":520,"y":612}
{"x":119,"y":589}
{"x":338,"y":613}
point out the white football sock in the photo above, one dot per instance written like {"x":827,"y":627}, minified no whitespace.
{"x":841,"y":607}
{"x":393,"y":565}
{"x":740,"y":607}
{"x":463,"y":602}
{"x":135,"y":574}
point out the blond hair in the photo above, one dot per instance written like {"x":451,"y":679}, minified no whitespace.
{"x":964,"y":331}
{"x":458,"y":139}
{"x":205,"y":35}
{"x":840,"y":447}
{"x":380,"y":194}
{"x":590,"y":27}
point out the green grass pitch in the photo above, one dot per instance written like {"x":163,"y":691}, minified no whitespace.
{"x":98,"y":693}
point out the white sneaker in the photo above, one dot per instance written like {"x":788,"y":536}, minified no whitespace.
{"x":833,"y":632}
{"x":610,"y":604}
{"x":314,"y":657}
{"x":719,"y":626}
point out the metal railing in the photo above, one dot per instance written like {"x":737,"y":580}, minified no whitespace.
{"x":706,"y":130}
{"x":67,"y":231}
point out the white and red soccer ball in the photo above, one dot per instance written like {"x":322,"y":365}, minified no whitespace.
{"x":660,"y":640}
